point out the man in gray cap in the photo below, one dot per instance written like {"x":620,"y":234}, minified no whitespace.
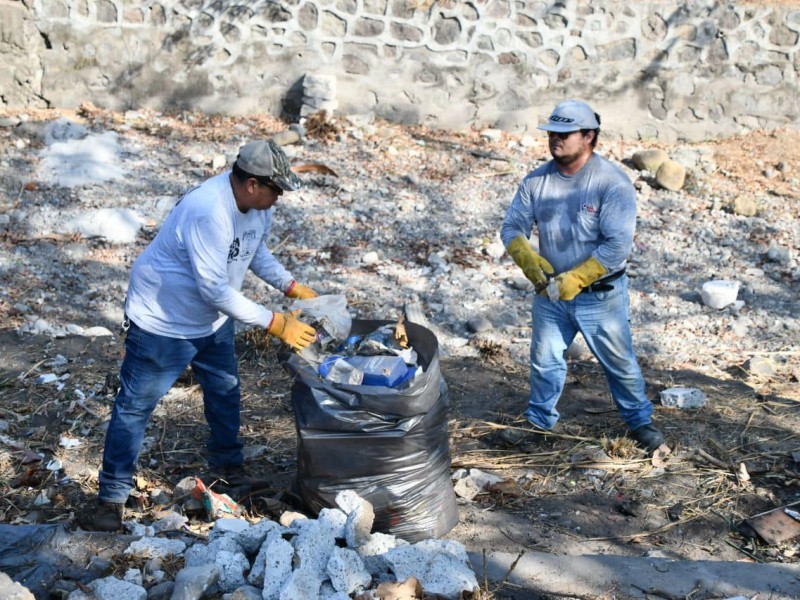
{"x":584,"y":208}
{"x":183,"y":299}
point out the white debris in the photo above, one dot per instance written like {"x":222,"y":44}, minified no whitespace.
{"x":681,"y":397}
{"x":719,"y":293}
{"x":279,"y":554}
{"x":153,"y":547}
{"x":232,"y":567}
{"x":441,"y":566}
{"x":347,"y":572}
{"x":78,"y":162}
{"x":111,"y":588}
{"x":68,"y":442}
{"x":117,"y":225}
{"x":483,"y":479}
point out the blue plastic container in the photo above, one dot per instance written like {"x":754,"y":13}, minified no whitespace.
{"x":389,"y":371}
{"x":380,"y":370}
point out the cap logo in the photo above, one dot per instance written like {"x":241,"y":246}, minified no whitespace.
{"x":558,"y":119}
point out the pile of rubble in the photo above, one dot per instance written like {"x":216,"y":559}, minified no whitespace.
{"x":333,"y":557}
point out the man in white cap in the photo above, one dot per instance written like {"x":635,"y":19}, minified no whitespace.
{"x":584,"y":208}
{"x":183,"y":299}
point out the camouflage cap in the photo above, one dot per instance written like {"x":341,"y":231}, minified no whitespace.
{"x":265,"y":158}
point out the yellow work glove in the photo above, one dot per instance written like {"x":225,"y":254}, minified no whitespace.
{"x":570,"y":283}
{"x":291,"y":330}
{"x":300,"y":291}
{"x":533,"y":265}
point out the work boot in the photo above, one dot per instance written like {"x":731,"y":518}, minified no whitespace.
{"x":105,"y":516}
{"x":647,"y":437}
{"x":516,"y":434}
{"x":236,"y":482}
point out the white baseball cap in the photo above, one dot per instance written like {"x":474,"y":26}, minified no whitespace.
{"x":571,"y":115}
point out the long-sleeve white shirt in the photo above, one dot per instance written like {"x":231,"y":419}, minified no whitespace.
{"x":187,"y":281}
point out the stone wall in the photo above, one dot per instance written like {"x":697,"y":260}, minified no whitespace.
{"x":668,"y":70}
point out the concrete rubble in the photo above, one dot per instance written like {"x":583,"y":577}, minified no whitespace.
{"x":332,"y":557}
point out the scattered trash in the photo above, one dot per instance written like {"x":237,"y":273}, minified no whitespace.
{"x":719,"y":293}
{"x":775,"y":526}
{"x":328,"y":315}
{"x":47,"y":378}
{"x":389,"y":371}
{"x":216,"y":505}
{"x":553,"y":291}
{"x":792,"y":513}
{"x":69,"y":442}
{"x":743,"y":474}
{"x":681,"y":397}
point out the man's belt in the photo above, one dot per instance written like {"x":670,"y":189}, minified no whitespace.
{"x":604,"y":285}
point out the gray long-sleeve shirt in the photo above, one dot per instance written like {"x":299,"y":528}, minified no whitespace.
{"x":591,"y":213}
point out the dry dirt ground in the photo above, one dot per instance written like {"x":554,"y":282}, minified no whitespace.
{"x":730,"y":460}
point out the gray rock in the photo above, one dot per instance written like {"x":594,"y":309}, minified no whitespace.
{"x":779,"y":254}
{"x":479,"y":324}
{"x":761,"y":365}
{"x":161,"y":591}
{"x":191,"y":583}
{"x":286,"y":138}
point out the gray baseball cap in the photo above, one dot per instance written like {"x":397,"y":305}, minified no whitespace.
{"x":265,"y":158}
{"x":571,"y":115}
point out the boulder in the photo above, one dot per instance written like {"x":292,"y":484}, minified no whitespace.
{"x":671,"y":175}
{"x":649,"y":160}
{"x":745,"y":206}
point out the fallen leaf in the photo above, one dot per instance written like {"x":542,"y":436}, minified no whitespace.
{"x":314,"y":168}
{"x":506,"y":487}
{"x":28,"y":456}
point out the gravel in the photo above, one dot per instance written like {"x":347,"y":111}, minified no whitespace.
{"x":411,"y":216}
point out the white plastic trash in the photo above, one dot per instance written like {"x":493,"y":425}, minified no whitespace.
{"x":719,"y":293}
{"x":682,"y":397}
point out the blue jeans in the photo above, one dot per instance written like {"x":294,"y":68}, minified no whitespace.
{"x":151,"y":366}
{"x":603,"y":319}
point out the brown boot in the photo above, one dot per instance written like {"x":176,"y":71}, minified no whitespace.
{"x":106,"y":516}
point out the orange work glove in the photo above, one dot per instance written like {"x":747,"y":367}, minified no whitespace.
{"x":570,"y":283}
{"x":300,"y":291}
{"x":290,"y":329}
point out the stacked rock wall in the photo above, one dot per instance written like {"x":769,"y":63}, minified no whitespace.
{"x":690,"y":70}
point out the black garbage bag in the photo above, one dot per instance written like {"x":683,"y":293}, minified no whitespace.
{"x":389,"y":445}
